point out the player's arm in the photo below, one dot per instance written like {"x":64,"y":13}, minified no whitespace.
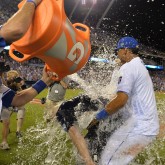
{"x":112,"y":107}
{"x":21,"y":98}
{"x":118,"y":102}
{"x":63,"y":84}
{"x":19,"y":23}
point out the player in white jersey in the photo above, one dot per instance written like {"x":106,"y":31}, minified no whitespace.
{"x":135,"y":90}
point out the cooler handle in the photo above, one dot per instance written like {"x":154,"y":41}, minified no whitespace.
{"x":12,"y":55}
{"x":87,"y":31}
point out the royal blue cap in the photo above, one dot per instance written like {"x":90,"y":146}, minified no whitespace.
{"x":127,"y":42}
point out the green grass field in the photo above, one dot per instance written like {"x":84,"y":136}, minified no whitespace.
{"x":38,"y":142}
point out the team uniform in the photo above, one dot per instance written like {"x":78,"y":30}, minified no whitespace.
{"x":6,"y":94}
{"x":6,"y":112}
{"x":143,"y":125}
{"x":2,"y":43}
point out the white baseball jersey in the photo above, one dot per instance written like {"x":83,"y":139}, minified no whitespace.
{"x":136,"y":82}
{"x":6,"y":96}
{"x":3,"y":90}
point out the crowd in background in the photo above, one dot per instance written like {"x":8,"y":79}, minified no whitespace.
{"x":158,"y":78}
{"x":7,"y":9}
{"x":29,"y":70}
{"x":93,"y":72}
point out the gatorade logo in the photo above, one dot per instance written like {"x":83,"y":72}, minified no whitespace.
{"x":76,"y":53}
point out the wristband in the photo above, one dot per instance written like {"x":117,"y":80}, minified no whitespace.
{"x":39,"y":86}
{"x":103,"y":114}
{"x":2,"y":42}
{"x":32,"y":1}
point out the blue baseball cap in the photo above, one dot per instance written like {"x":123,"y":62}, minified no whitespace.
{"x":127,"y":42}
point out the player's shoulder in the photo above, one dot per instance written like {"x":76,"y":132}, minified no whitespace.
{"x":4,"y":88}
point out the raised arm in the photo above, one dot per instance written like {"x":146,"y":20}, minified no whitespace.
{"x":27,"y":95}
{"x":19,"y":23}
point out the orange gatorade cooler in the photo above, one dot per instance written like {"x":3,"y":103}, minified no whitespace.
{"x":65,"y":48}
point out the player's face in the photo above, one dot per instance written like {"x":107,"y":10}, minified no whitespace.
{"x":121,"y":53}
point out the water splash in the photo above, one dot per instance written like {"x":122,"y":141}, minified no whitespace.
{"x":50,"y":145}
{"x":45,"y":145}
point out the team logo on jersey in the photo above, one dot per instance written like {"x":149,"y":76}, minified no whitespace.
{"x":119,"y":79}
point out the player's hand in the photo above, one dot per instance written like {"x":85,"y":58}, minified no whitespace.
{"x":92,"y":128}
{"x":93,"y":123}
{"x":47,"y":76}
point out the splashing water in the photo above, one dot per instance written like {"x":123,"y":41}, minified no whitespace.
{"x":45,"y":145}
{"x":48,"y":144}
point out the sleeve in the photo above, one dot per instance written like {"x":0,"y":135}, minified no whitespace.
{"x":7,"y":98}
{"x":3,"y":43}
{"x":126,"y":81}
